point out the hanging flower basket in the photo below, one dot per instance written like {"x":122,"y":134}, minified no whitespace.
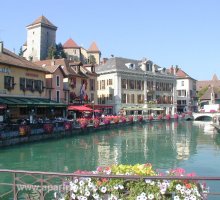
{"x":140,"y":118}
{"x":168,"y":117}
{"x":83,"y":123}
{"x":48,"y":128}
{"x":106,"y":121}
{"x":24,"y":130}
{"x":96,"y":123}
{"x":123,"y":120}
{"x":150,"y":117}
{"x":159,"y":117}
{"x":176,"y":116}
{"x":116,"y":120}
{"x":131,"y":118}
{"x":67,"y":126}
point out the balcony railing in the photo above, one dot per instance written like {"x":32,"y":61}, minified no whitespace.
{"x":42,"y":185}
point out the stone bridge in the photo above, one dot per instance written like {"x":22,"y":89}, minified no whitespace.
{"x":201,"y":116}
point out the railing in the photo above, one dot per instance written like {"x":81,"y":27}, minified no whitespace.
{"x":19,"y":184}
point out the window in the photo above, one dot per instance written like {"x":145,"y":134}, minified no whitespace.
{"x":123,"y":83}
{"x":110,"y":97}
{"x":50,"y":94}
{"x":58,"y":81}
{"x":29,"y":84}
{"x":38,"y":85}
{"x":103,"y":84}
{"x":9,"y":82}
{"x":110,"y":81}
{"x":179,"y":93}
{"x":182,"y":83}
{"x":131,"y":84}
{"x":123,"y":98}
{"x":92,"y":84}
{"x":92,"y":97}
{"x":138,"y":85}
{"x":58,"y":96}
{"x":132,"y":98}
{"x":22,"y":84}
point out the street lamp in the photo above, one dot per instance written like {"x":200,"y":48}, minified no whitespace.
{"x":92,"y":109}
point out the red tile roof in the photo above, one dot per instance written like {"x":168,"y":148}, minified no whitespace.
{"x":70,"y":43}
{"x":180,"y":73}
{"x":215,"y":82}
{"x":42,"y":20}
{"x":93,"y":48}
{"x":9,"y":58}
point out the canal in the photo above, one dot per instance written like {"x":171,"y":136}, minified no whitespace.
{"x":164,"y":144}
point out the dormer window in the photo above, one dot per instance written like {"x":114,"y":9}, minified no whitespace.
{"x":130,"y":66}
{"x":149,"y":67}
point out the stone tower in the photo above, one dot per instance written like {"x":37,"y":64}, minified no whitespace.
{"x":94,"y":51}
{"x":41,"y":34}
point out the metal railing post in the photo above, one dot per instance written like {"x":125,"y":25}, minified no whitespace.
{"x":14,"y":186}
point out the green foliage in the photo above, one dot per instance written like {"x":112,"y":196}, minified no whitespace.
{"x":202,"y":92}
{"x":92,"y":59}
{"x":20,"y":53}
{"x":56,"y":52}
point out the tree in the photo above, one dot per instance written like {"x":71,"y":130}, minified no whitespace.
{"x":56,"y":52}
{"x":92,"y":59}
{"x":20,"y":53}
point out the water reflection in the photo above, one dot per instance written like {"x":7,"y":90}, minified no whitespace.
{"x":165,"y":145}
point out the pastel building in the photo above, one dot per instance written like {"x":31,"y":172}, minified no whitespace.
{"x":186,"y":90}
{"x":126,"y":82}
{"x":22,"y":88}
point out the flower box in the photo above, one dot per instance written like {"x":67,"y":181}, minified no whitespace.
{"x":48,"y":128}
{"x":87,"y":187}
{"x":68,"y":126}
{"x":24,"y":130}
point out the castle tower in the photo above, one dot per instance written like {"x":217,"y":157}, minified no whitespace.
{"x":72,"y":50}
{"x":41,"y":34}
{"x":94,"y":51}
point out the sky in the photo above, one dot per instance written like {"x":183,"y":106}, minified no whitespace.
{"x":168,"y":32}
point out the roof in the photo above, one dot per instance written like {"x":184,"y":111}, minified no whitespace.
{"x":215,"y":82}
{"x":70,"y":43}
{"x":49,"y":67}
{"x":119,"y":64}
{"x":93,"y":48}
{"x":9,"y":58}
{"x":207,"y":94}
{"x":43,"y":21}
{"x":181,"y":74}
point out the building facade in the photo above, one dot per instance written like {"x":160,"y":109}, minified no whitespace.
{"x":186,"y":91}
{"x":125,"y":82}
{"x":22,"y":88}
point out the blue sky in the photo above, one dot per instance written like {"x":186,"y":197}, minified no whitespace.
{"x":169,"y":32}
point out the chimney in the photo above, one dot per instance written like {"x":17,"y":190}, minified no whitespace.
{"x":52,"y":61}
{"x":1,"y":47}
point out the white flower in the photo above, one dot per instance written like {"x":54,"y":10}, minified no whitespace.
{"x":90,"y":185}
{"x":176,"y":198}
{"x":138,"y":198}
{"x":108,"y":172}
{"x":112,"y":197}
{"x":81,"y":183}
{"x":178,"y":187}
{"x":163,"y":191}
{"x":152,"y":183}
{"x":75,"y":188}
{"x":121,"y":187}
{"x":116,"y":187}
{"x":182,"y":191}
{"x":147,"y":181}
{"x":95,"y":196}
{"x":188,"y":192}
{"x":76,"y":180}
{"x":88,"y":179}
{"x":87,"y":193}
{"x":192,"y":197}
{"x":150,"y":196}
{"x":186,"y":198}
{"x":73,"y":196}
{"x":143,"y":194}
{"x":103,"y":189}
{"x":55,"y":195}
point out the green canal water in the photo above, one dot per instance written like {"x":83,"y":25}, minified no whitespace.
{"x":166,"y":145}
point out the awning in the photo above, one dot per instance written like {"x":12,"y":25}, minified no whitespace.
{"x":98,"y":106}
{"x":79,"y":108}
{"x":29,"y":102}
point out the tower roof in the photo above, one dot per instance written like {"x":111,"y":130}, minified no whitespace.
{"x":70,"y":43}
{"x":214,"y":78}
{"x":93,"y":48}
{"x":42,"y":20}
